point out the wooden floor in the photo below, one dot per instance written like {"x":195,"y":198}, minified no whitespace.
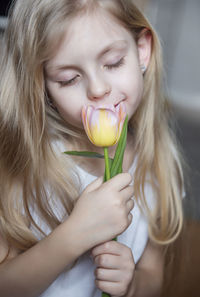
{"x":182,"y":269}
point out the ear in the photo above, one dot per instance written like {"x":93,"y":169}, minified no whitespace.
{"x":144,"y":47}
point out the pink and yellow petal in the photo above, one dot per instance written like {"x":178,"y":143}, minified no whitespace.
{"x":104,"y":127}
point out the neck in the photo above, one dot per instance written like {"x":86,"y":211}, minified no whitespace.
{"x":96,"y":166}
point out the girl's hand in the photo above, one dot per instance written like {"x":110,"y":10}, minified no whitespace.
{"x":115,"y":267}
{"x":103,"y":210}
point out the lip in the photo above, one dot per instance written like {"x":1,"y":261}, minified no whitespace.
{"x":109,"y":106}
{"x":115,"y":105}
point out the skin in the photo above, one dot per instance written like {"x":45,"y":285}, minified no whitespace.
{"x":97,"y":77}
{"x":94,"y":220}
{"x":100,"y":71}
{"x":95,"y":71}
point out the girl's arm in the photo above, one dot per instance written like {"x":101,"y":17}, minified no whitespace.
{"x":148,"y":276}
{"x":94,"y":219}
{"x":117,"y":274}
{"x":30,"y":273}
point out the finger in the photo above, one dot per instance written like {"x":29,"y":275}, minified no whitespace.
{"x":130,"y":205}
{"x":119,"y":181}
{"x":109,"y":247}
{"x":130,"y":218}
{"x":110,"y":275}
{"x":113,"y":288}
{"x":127,"y":192}
{"x":94,"y":185}
{"x":108,"y":261}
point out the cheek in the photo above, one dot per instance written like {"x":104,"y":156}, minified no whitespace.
{"x":132,"y":86}
{"x":133,"y":90}
{"x":138,"y":92}
{"x":67,"y":106}
{"x":70,"y":112}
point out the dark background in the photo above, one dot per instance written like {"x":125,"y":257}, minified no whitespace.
{"x":4,"y":5}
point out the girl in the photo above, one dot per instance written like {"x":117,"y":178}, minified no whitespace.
{"x":57,"y":218}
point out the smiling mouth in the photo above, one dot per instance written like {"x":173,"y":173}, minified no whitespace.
{"x":115,"y":105}
{"x":110,"y":106}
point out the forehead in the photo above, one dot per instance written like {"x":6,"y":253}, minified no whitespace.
{"x":89,"y":34}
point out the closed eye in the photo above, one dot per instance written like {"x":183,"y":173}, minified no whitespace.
{"x":116,"y":65}
{"x":68,"y":82}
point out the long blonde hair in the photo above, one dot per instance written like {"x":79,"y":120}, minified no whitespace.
{"x":31,"y":172}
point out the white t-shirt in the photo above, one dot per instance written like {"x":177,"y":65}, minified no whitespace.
{"x":79,"y":281}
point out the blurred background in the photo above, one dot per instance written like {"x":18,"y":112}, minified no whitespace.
{"x":178,"y":24}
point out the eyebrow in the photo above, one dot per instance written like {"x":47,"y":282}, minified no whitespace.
{"x":116,"y":45}
{"x":119,"y":44}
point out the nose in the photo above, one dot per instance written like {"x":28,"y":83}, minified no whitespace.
{"x":98,"y":88}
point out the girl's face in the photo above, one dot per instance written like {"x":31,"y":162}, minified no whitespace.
{"x":98,"y":63}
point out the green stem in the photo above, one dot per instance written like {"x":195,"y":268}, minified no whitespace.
{"x":105,"y":295}
{"x":107,"y":166}
{"x":107,"y":169}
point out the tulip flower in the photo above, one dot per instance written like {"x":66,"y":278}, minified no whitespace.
{"x":103,"y":125}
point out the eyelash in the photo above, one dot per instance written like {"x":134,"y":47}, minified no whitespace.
{"x":116,"y":65}
{"x":68,"y":82}
{"x":110,"y":67}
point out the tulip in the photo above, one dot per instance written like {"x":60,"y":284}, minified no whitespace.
{"x":103,"y":125}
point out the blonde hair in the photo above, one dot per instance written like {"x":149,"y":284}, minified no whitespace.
{"x":31,"y":172}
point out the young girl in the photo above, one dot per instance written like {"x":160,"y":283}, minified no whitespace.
{"x":57,"y":217}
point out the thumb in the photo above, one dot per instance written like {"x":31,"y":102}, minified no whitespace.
{"x":94,"y":185}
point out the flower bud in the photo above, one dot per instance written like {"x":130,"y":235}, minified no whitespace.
{"x":103,"y":126}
